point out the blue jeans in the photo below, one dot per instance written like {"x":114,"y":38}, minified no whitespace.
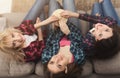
{"x":53,"y":5}
{"x":70,"y":5}
{"x":36,"y":10}
{"x":105,"y":8}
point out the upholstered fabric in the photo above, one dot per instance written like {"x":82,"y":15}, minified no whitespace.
{"x":39,"y":69}
{"x":2,"y":23}
{"x":9,"y":67}
{"x":13,"y":19}
{"x":87,"y":68}
{"x":110,"y":66}
{"x":20,"y":69}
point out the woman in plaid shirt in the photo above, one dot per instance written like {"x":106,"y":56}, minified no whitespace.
{"x":106,"y":21}
{"x":101,"y":42}
{"x":25,"y":42}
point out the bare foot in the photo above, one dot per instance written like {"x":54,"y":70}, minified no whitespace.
{"x":100,"y":1}
{"x":97,"y":14}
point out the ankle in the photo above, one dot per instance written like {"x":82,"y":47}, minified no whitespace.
{"x":100,"y":1}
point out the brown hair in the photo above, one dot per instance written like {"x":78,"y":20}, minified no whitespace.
{"x":74,"y":71}
{"x":107,"y":48}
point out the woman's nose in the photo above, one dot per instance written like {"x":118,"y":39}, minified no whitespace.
{"x":17,"y":39}
{"x":58,"y":60}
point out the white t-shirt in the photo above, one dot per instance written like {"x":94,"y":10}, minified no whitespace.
{"x":30,"y":38}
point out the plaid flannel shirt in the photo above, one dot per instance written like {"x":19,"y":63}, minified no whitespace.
{"x":98,"y":19}
{"x":79,"y":44}
{"x":34,"y":50}
{"x":52,"y":44}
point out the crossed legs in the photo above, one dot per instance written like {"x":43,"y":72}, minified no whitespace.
{"x":105,"y":8}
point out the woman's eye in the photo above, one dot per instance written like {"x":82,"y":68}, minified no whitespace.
{"x":100,"y":35}
{"x":13,"y":44}
{"x":13,"y":36}
{"x":51,"y":62}
{"x":59,"y":66}
{"x":106,"y":30}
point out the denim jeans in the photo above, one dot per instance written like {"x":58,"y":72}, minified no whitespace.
{"x":70,"y":5}
{"x":36,"y":10}
{"x":53,"y":5}
{"x":105,"y":8}
{"x":67,"y":5}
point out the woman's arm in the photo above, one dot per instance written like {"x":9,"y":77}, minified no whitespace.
{"x":90,"y":18}
{"x":45,"y":22}
{"x":64,"y":27}
{"x":68,"y":14}
{"x":40,"y":35}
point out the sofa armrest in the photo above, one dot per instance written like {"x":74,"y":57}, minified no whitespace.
{"x":13,"y":19}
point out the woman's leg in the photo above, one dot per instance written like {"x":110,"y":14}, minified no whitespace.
{"x":70,"y":5}
{"x":53,"y":5}
{"x":109,"y":10}
{"x":45,"y":29}
{"x":36,"y":9}
{"x":96,"y":9}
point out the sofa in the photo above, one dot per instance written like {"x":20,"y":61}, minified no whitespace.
{"x":9,"y":68}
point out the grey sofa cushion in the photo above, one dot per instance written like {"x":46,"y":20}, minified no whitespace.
{"x":87,"y":69}
{"x":2,"y":23}
{"x":20,"y":69}
{"x":11,"y":68}
{"x":13,"y":19}
{"x":111,"y":66}
{"x":39,"y":69}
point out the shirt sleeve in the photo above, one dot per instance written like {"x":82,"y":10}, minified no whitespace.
{"x":34,"y":50}
{"x":52,"y":45}
{"x":27,"y":27}
{"x":76,"y":37}
{"x":75,"y":34}
{"x":98,"y":19}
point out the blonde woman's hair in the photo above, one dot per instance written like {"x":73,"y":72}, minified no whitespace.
{"x":4,"y":40}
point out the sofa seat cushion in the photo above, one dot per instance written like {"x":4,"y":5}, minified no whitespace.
{"x":110,"y":66}
{"x":10,"y":68}
{"x":13,"y":19}
{"x":39,"y":69}
{"x":87,"y":69}
{"x":118,"y":11}
{"x":2,"y":23}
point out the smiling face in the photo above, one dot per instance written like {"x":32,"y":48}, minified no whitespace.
{"x":16,"y":40}
{"x":57,"y":63}
{"x":101,"y":31}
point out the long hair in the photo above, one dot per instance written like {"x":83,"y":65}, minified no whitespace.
{"x":4,"y":40}
{"x":74,"y":71}
{"x":107,"y":48}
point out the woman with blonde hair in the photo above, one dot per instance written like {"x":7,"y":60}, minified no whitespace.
{"x":26,"y":42}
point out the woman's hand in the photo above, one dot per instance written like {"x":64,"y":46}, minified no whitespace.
{"x":52,"y":19}
{"x":37,"y":22}
{"x":63,"y":26}
{"x":68,"y":14}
